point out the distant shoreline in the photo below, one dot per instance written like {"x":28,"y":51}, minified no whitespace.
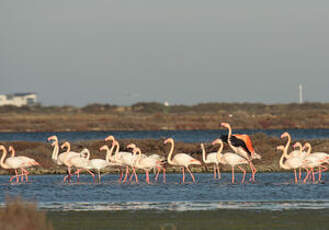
{"x":156,"y":116}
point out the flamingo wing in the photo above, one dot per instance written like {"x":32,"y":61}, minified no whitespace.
{"x":239,"y":141}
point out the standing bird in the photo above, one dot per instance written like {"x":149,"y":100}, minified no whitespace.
{"x":110,"y":159}
{"x":292,"y":162}
{"x":62,"y":158}
{"x":99,"y":164}
{"x":181,"y":159}
{"x":211,"y":159}
{"x":81,"y":162}
{"x":242,"y":145}
{"x":231,"y":159}
{"x":295,"y":158}
{"x":144,"y":163}
{"x":16,"y":163}
{"x":27,"y":160}
{"x":313,"y":160}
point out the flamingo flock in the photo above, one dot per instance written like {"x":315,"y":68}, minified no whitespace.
{"x":243,"y":153}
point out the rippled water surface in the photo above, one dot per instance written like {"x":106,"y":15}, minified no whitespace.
{"x":272,"y":191}
{"x":179,"y":135}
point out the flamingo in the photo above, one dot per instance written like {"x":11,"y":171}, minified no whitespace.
{"x":242,"y":145}
{"x":62,"y":158}
{"x":123,"y":158}
{"x":110,"y":158}
{"x":156,"y":157}
{"x":162,"y":159}
{"x":126,"y":159}
{"x":27,"y":160}
{"x":181,"y":159}
{"x":231,"y":159}
{"x":99,"y":164}
{"x":291,"y":161}
{"x":81,"y":162}
{"x":297,"y":155}
{"x":211,"y":159}
{"x":15,"y":163}
{"x":313,"y":160}
{"x":145,"y":163}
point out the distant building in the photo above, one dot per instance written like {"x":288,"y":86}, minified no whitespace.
{"x":18,"y":99}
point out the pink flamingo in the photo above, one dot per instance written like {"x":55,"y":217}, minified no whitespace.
{"x":145,"y":163}
{"x":110,"y":158}
{"x":81,"y":162}
{"x":211,"y":159}
{"x":231,"y":159}
{"x":313,"y":160}
{"x":242,"y":145}
{"x":181,"y":159}
{"x":62,"y":158}
{"x":15,"y":163}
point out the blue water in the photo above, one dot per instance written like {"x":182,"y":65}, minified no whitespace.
{"x":179,"y":135}
{"x":272,"y":191}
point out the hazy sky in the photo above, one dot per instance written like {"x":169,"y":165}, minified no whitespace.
{"x":78,"y":52}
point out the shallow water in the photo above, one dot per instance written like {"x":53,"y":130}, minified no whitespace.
{"x":272,"y":191}
{"x":179,"y":135}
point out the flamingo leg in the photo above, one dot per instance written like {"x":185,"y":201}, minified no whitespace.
{"x":254,"y":170}
{"x":232,"y":174}
{"x":12,"y":177}
{"x":307,"y":175}
{"x":147,"y":176}
{"x":121,"y":175}
{"x":131,"y":176}
{"x":92,"y":174}
{"x":22,"y":176}
{"x":191,"y":174}
{"x":296,"y":181}
{"x":134,"y":172}
{"x":127,"y":172}
{"x":215,"y":176}
{"x":25,"y":173}
{"x":164,"y":175}
{"x":218,"y":172}
{"x":244,"y":174}
{"x":99,"y":176}
{"x":157,"y":174}
{"x":183,"y":175}
{"x":300,"y":174}
{"x":313,"y":177}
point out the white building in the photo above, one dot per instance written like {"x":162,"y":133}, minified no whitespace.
{"x":18,"y":99}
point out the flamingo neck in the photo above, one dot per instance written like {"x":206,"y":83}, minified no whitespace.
{"x":139,"y":156}
{"x":219,"y":152}
{"x":171,"y":152}
{"x":204,"y":154}
{"x":68,"y":146}
{"x":284,"y":154}
{"x":116,"y":151}
{"x":13,"y":152}
{"x":287,"y":146}
{"x":4,"y":154}
{"x":109,"y":153}
{"x":55,"y":151}
{"x":229,"y":139}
